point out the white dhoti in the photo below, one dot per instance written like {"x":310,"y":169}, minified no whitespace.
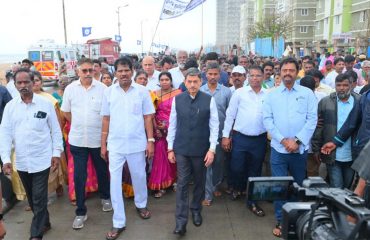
{"x":136,"y":163}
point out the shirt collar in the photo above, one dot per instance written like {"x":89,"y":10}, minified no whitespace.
{"x":34,"y":99}
{"x":349,"y":100}
{"x":283,"y":88}
{"x":93,"y":83}
{"x":205,"y":87}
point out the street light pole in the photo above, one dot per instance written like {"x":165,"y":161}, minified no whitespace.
{"x":119,"y":20}
{"x":64,"y":22}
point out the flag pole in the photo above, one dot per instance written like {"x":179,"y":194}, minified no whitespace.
{"x":156,"y":28}
{"x":202,"y":25}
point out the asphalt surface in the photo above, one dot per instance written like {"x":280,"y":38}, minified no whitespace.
{"x":225,"y":219}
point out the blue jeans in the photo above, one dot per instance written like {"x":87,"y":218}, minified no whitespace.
{"x":281,"y":164}
{"x":340,"y":174}
{"x":215,"y":173}
{"x":80,"y":156}
{"x":247,"y":156}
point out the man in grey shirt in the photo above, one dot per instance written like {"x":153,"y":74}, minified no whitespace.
{"x":222,"y":96}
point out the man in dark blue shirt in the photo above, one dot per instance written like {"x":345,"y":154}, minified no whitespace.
{"x":5,"y":97}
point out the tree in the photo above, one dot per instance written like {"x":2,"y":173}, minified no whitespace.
{"x":274,"y":25}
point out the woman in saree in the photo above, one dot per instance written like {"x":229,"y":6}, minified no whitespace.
{"x":163,"y":174}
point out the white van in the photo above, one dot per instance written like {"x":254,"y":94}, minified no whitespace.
{"x":46,"y":56}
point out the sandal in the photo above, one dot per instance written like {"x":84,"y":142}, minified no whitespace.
{"x":277,"y":231}
{"x":114,"y":233}
{"x":206,"y":202}
{"x":217,"y":193}
{"x":143,"y":213}
{"x":159,"y":193}
{"x":256,"y":210}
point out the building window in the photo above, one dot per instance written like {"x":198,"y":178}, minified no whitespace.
{"x":337,"y":19}
{"x":304,"y":12}
{"x":362,"y":16}
{"x":303,"y":29}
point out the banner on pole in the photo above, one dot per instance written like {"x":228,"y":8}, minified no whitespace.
{"x":138,"y":42}
{"x":86,"y":31}
{"x":175,"y":8}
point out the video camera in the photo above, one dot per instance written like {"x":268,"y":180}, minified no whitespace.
{"x":315,"y":210}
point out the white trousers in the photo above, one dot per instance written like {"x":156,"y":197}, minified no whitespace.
{"x":136,"y":164}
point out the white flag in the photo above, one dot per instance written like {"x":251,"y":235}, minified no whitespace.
{"x":175,"y":8}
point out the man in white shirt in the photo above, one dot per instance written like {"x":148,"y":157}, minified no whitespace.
{"x":30,"y":122}
{"x":127,"y":134}
{"x":148,"y":65}
{"x":10,"y":86}
{"x":178,"y":72}
{"x":192,"y":139}
{"x":249,"y":137}
{"x":81,"y":106}
{"x":338,"y":68}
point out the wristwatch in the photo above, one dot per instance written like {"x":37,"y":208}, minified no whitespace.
{"x":151,"y":140}
{"x":297,"y":141}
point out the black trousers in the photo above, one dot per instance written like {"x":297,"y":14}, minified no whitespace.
{"x":36,"y":187}
{"x":188,"y":167}
{"x":6,"y":187}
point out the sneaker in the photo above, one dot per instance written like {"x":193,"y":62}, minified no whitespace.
{"x":78,"y":223}
{"x":107,"y":205}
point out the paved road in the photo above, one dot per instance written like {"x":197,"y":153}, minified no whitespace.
{"x":225,"y":219}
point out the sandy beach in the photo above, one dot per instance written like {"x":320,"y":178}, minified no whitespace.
{"x":3,"y":68}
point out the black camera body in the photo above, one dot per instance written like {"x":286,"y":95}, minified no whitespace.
{"x":319,"y":212}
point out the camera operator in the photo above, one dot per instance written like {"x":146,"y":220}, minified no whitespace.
{"x":362,"y":167}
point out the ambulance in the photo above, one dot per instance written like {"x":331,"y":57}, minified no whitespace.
{"x":46,"y":55}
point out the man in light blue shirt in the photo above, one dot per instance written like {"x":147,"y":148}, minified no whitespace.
{"x":290,"y":116}
{"x":222,"y":96}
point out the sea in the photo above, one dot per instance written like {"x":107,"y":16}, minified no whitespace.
{"x":12,"y":58}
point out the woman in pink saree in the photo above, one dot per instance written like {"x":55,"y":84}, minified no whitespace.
{"x":163,"y":174}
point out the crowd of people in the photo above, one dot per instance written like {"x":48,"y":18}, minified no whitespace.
{"x":162,"y":124}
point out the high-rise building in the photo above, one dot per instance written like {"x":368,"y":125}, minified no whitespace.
{"x":246,"y":21}
{"x":301,"y":15}
{"x":342,"y":24}
{"x":228,"y":22}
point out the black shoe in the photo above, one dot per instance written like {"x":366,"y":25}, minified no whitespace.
{"x":197,"y":219}
{"x":180,"y":230}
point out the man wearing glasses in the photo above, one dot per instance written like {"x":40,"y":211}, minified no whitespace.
{"x":81,"y":106}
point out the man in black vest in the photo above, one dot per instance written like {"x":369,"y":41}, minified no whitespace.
{"x":192,"y":139}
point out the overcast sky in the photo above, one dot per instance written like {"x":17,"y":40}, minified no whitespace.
{"x":24,"y":22}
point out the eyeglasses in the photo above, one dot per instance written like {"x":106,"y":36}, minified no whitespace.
{"x":90,"y":70}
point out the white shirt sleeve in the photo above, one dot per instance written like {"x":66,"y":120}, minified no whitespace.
{"x":172,"y":125}
{"x":148,"y":107}
{"x":66,"y":105}
{"x":213,"y":125}
{"x":6,"y":136}
{"x":105,"y":108}
{"x":56,"y":133}
{"x":231,"y":112}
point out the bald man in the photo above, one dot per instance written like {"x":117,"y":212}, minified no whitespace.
{"x":148,"y":65}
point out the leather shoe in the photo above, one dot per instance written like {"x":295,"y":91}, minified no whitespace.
{"x":197,"y":219}
{"x":180,"y":230}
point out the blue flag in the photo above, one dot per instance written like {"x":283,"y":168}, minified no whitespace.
{"x":118,"y":38}
{"x":86,"y":31}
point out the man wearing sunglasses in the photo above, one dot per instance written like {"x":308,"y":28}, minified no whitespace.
{"x":81,"y":106}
